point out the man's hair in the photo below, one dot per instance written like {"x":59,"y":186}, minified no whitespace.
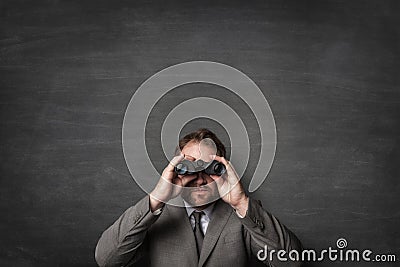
{"x":199,"y":135}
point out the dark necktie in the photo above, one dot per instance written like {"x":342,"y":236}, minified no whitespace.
{"x":198,"y":233}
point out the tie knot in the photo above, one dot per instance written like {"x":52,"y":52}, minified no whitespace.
{"x":197,"y":216}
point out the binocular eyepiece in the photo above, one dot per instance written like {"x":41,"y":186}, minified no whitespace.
{"x":187,"y":167}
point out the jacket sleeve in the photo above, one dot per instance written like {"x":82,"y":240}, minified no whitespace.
{"x":122,"y":242}
{"x":264,"y":234}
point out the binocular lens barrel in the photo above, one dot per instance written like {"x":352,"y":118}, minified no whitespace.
{"x":187,"y":167}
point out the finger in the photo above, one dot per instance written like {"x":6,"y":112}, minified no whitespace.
{"x":216,"y":177}
{"x":227,"y":164}
{"x":230,"y":171}
{"x":177,"y":181}
{"x":178,"y":186}
{"x":222,"y":185}
{"x":187,"y":179}
{"x":220,"y":159}
{"x":175,"y":160}
{"x":219,"y":180}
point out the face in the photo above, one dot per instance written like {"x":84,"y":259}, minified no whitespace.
{"x":202,"y":190}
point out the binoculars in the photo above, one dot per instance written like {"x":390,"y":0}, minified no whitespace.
{"x":187,"y":167}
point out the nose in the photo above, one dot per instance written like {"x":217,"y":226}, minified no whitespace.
{"x":200,"y":179}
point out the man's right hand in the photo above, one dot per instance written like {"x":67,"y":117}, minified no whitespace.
{"x":169,"y":186}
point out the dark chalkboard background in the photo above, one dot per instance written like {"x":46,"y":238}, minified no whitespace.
{"x":329,"y":69}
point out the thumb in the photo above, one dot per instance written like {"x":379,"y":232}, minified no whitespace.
{"x":219,"y":180}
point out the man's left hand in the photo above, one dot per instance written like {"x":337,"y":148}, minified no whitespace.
{"x":230,"y":188}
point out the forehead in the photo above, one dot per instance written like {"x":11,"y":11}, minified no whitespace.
{"x":198,"y":150}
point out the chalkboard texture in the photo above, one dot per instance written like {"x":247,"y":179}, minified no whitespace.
{"x":329,"y":70}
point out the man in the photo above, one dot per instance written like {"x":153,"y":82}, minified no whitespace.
{"x":219,"y":226}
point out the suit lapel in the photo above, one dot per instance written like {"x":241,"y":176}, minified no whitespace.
{"x":183,"y":232}
{"x":220,"y":217}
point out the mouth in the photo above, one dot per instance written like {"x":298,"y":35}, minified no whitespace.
{"x":200,"y":189}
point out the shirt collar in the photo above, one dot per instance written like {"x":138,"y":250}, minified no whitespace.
{"x":207,"y":211}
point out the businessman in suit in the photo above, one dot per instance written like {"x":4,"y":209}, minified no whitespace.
{"x":219,"y":225}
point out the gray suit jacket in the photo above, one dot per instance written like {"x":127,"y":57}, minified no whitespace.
{"x":168,"y":239}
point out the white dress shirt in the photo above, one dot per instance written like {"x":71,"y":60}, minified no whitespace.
{"x":205,"y":218}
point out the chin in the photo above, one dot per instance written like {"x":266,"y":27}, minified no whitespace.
{"x":198,"y":201}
